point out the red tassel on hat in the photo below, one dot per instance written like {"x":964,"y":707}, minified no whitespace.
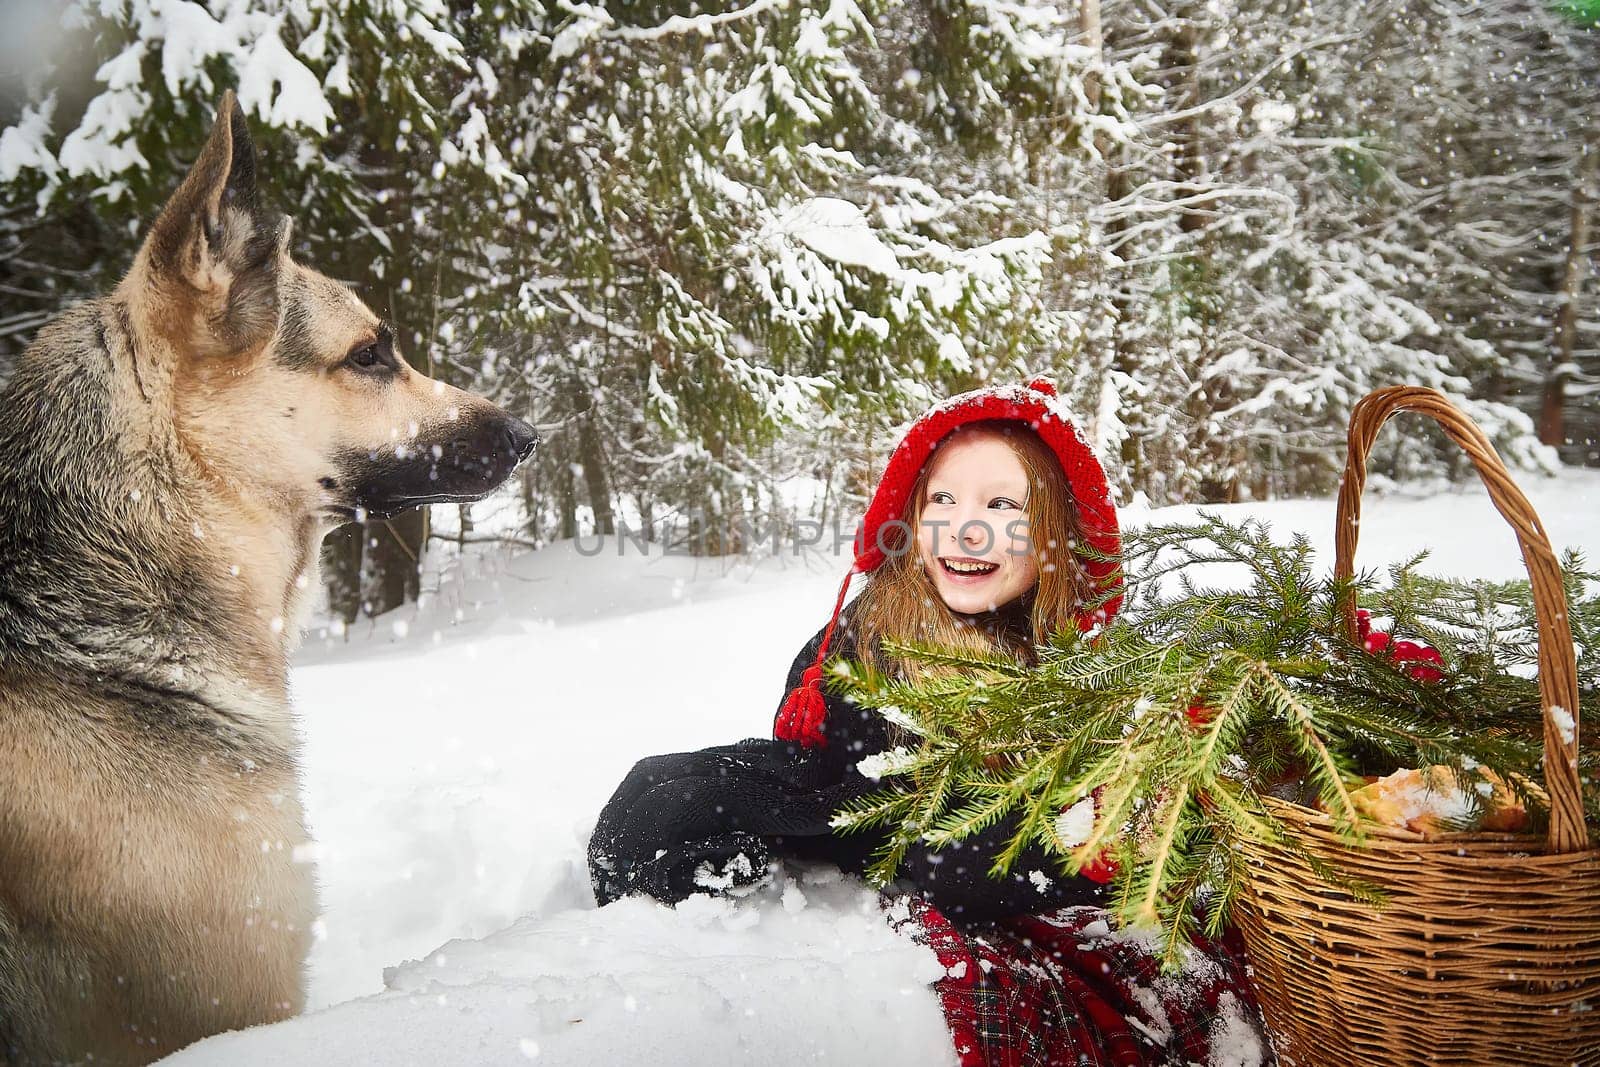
{"x":803,"y":711}
{"x":801,"y":717}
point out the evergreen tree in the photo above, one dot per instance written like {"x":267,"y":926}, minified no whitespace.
{"x":716,"y":252}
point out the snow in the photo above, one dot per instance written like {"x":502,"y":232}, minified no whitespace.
{"x":1458,"y":526}
{"x":1233,"y":1038}
{"x":190,"y":38}
{"x":454,"y":767}
{"x":1566,"y":725}
{"x":811,"y":259}
{"x":97,"y":146}
{"x":283,"y":91}
{"x":714,"y":981}
{"x":838,"y":230}
{"x":1074,"y":825}
{"x":1272,"y":116}
{"x":587,"y":23}
{"x":882,"y":764}
{"x":23,"y":146}
{"x":273,"y":84}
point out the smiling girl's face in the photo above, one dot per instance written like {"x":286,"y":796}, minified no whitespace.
{"x":972,"y":536}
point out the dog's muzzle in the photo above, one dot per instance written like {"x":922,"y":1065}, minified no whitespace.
{"x":435,"y":468}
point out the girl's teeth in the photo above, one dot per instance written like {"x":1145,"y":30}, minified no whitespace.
{"x":969,"y":568}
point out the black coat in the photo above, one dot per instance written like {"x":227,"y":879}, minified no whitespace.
{"x":709,"y":820}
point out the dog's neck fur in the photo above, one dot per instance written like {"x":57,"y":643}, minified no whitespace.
{"x":144,"y":571}
{"x":264,"y":543}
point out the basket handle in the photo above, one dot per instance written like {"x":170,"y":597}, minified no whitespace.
{"x":1558,"y":668}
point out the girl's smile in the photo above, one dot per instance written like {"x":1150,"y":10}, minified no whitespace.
{"x":967,"y":567}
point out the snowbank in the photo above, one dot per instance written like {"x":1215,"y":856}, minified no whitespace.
{"x":797,"y":975}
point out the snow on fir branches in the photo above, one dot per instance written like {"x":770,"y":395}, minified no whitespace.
{"x":1177,"y":719}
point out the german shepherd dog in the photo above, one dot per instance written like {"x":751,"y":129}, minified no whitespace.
{"x":170,"y":458}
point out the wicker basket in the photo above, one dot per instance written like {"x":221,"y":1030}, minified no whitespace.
{"x":1487,"y":948}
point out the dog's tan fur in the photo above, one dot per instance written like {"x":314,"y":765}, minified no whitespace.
{"x":167,"y":878}
{"x":155,"y":884}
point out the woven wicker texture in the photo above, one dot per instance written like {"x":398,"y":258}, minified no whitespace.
{"x":1486,"y":950}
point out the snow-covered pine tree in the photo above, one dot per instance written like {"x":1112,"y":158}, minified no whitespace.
{"x":748,"y":223}
{"x":1465,"y":170}
{"x":673,"y":236}
{"x":712,"y":250}
{"x":1259,"y":294}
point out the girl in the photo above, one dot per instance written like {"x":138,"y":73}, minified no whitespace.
{"x":972,"y":540}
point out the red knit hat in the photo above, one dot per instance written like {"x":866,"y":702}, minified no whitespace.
{"x":1035,"y":404}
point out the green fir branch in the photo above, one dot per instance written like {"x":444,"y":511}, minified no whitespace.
{"x":1293,"y":708}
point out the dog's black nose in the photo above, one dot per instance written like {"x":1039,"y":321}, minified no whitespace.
{"x":521,"y":439}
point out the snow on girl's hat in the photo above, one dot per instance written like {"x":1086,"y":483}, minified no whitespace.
{"x":800,"y":718}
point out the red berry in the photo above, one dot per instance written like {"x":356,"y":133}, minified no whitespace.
{"x":1103,"y":868}
{"x":1424,"y":659}
{"x":1425,"y":664}
{"x":1199,"y":715}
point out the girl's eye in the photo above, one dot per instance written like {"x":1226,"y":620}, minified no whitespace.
{"x":1004,"y":502}
{"x":941,"y":497}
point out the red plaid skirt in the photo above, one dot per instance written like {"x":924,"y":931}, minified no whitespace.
{"x":1063,"y":988}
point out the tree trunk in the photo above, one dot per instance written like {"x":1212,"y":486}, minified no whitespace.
{"x":393,"y":556}
{"x":1183,"y":58}
{"x":1552,"y":420}
{"x":591,"y":457}
{"x":528,"y":474}
{"x":725,"y":511}
{"x":1118,"y":186}
{"x":463,"y":527}
{"x":1093,"y":39}
{"x":647,"y":519}
{"x":567,"y":500}
{"x":1225,"y":456}
{"x":341,"y":571}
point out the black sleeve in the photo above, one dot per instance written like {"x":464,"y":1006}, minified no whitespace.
{"x":954,"y":879}
{"x":679,"y":822}
{"x":697,"y":821}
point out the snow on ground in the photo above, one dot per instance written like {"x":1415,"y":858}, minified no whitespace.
{"x":798,"y":975}
{"x":457,"y":753}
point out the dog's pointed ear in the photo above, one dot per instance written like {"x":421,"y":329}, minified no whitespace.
{"x":215,"y":250}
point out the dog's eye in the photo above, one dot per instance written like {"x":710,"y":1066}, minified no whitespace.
{"x":376,"y":356}
{"x":367,"y":357}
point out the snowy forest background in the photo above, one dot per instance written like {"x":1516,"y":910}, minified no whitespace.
{"x":717,"y":250}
